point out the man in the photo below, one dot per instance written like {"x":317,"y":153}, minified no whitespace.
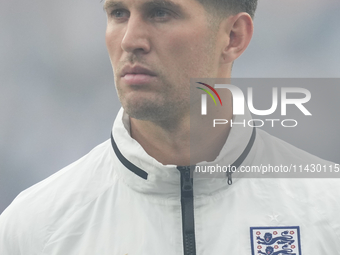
{"x":137,"y":194}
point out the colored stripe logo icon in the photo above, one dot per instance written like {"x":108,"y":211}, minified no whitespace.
{"x":204,"y":97}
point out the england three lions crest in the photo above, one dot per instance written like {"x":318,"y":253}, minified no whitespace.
{"x":275,"y":240}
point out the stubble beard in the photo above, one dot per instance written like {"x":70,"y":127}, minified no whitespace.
{"x":161,"y":107}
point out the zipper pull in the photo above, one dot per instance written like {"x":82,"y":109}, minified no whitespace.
{"x":186,"y":178}
{"x":187,"y":184}
{"x":230,"y":180}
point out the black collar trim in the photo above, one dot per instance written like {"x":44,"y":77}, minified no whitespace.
{"x":141,"y":173}
{"x":242,"y":157}
{"x":246,"y":151}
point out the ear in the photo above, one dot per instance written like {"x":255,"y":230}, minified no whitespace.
{"x":239,"y":30}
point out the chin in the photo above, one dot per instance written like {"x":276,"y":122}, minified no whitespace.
{"x":148,"y":111}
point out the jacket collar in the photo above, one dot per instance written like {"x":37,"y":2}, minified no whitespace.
{"x":145,"y":174}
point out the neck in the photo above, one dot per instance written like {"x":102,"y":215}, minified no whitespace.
{"x":185,"y":141}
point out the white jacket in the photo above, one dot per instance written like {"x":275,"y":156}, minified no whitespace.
{"x":99,"y":206}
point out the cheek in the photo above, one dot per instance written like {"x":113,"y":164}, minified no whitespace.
{"x":191,"y":53}
{"x":113,"y":43}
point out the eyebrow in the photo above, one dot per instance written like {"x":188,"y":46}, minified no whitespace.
{"x":112,"y":4}
{"x":109,"y":4}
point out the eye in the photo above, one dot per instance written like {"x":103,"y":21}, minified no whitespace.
{"x":160,"y":14}
{"x":119,"y":14}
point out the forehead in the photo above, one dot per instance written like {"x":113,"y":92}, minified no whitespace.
{"x":147,"y":3}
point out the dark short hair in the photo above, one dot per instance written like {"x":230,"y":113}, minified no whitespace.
{"x":224,"y":8}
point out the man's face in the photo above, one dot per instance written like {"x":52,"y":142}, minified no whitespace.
{"x":155,"y":47}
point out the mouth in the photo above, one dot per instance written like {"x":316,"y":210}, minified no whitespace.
{"x":137,"y":75}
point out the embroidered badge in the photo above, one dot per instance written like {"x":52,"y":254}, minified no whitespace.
{"x":275,"y":240}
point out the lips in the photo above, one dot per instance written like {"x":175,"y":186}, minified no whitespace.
{"x":137,"y":75}
{"x":136,"y":70}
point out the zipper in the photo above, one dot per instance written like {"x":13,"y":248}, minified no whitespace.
{"x":187,"y":203}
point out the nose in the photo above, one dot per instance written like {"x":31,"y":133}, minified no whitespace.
{"x":136,"y":37}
